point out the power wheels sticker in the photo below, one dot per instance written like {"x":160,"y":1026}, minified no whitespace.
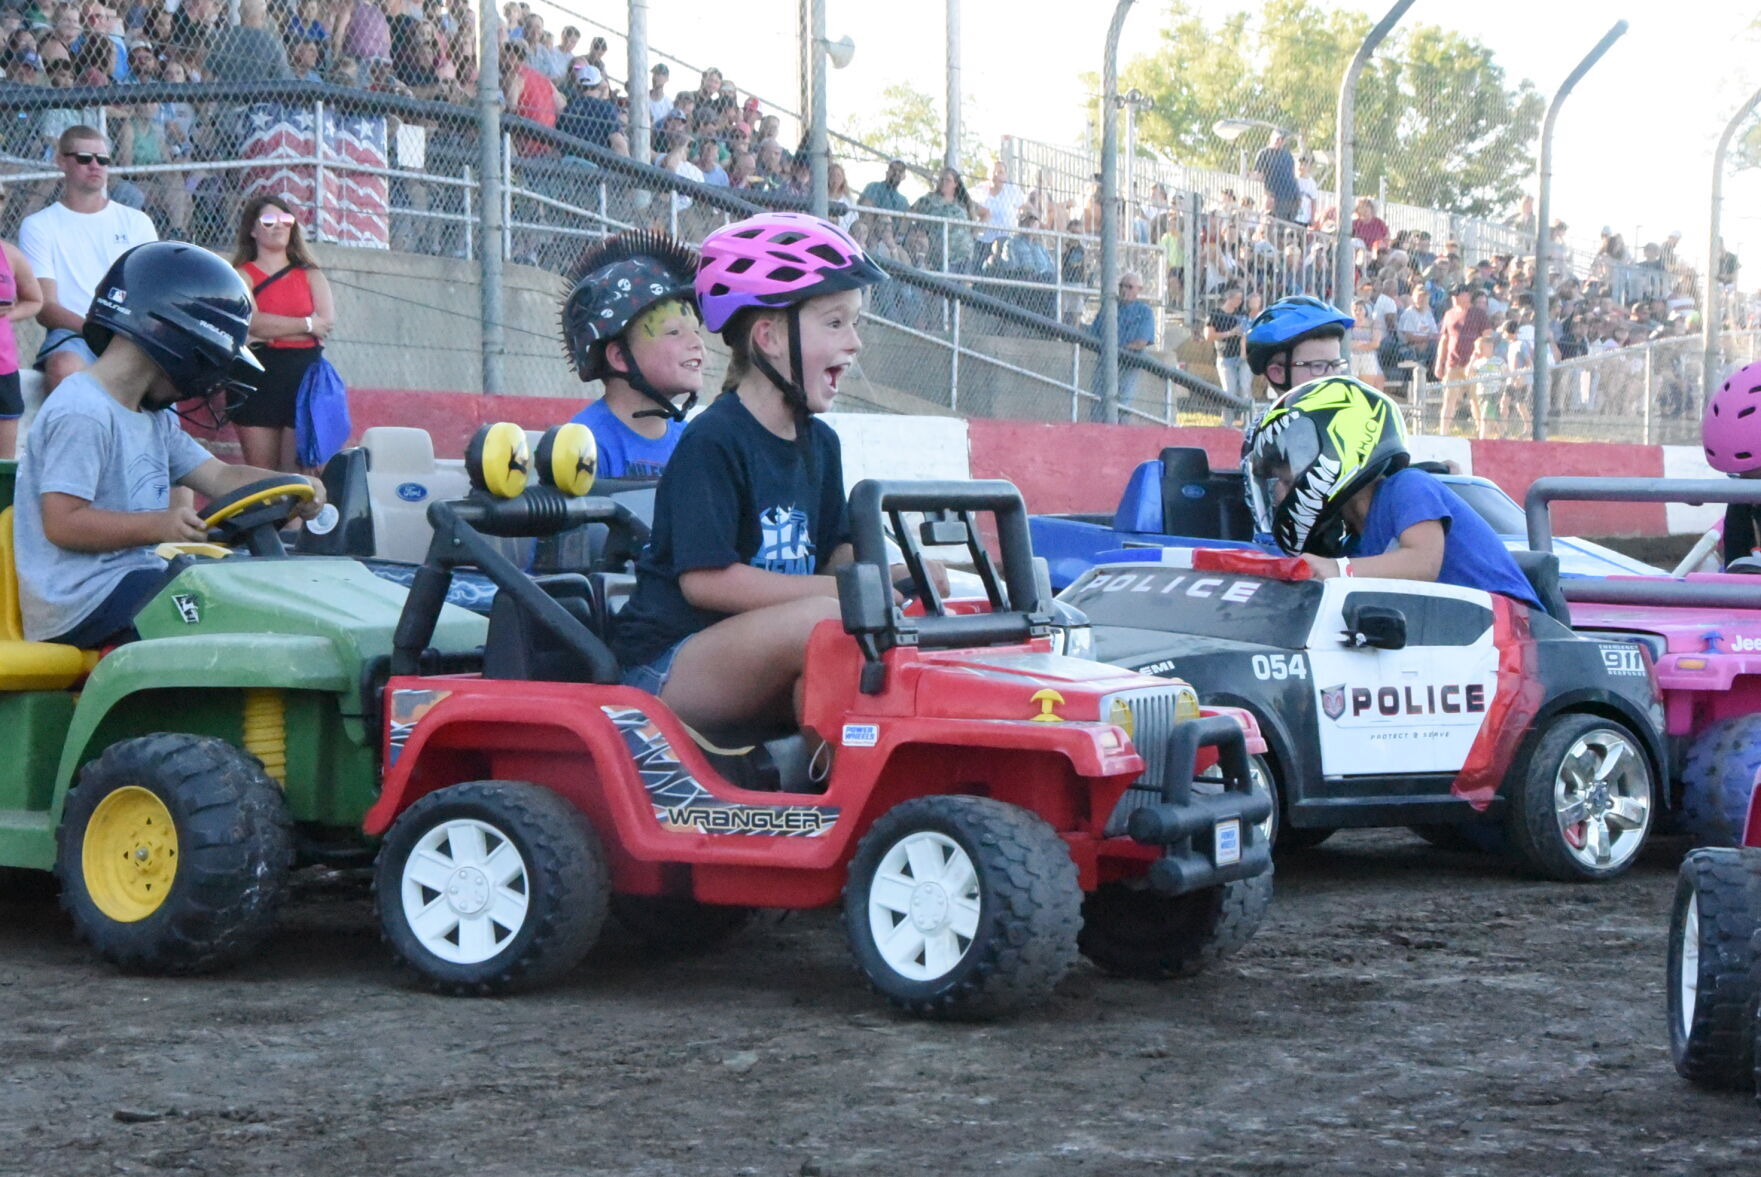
{"x":682,"y":804}
{"x":861,"y":735}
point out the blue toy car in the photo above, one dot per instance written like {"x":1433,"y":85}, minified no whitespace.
{"x":1177,"y":500}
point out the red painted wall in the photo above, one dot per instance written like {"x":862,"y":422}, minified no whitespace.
{"x":1513,"y":465}
{"x":1081,"y":468}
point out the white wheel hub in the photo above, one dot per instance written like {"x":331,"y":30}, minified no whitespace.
{"x":1689,"y":980}
{"x":466,"y":889}
{"x":924,"y":905}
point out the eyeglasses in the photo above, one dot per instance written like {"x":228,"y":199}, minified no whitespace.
{"x":87,"y":157}
{"x":271,"y":219}
{"x":1318,"y":368}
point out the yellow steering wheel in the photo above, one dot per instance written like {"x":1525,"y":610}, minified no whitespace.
{"x":255,"y":513}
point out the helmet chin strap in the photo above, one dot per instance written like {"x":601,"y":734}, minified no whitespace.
{"x":794,"y":395}
{"x":637,"y":379}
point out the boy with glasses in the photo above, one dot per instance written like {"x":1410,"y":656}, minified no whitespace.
{"x":71,"y":243}
{"x":1296,"y":340}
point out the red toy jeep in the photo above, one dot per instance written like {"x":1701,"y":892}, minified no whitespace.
{"x":991,"y":808}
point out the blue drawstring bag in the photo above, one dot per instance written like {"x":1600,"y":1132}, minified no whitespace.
{"x":321,"y":418}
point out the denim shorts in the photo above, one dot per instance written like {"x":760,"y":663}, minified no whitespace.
{"x":651,"y":676}
{"x":62,"y":339}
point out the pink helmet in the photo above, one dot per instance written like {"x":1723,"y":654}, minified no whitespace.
{"x":775,"y":260}
{"x":1730,"y":430}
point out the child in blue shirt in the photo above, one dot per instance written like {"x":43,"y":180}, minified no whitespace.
{"x":1327,"y":476}
{"x":630,"y":321}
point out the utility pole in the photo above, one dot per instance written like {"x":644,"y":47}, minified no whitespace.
{"x":489,"y":251}
{"x":1345,"y":149}
{"x":1109,"y":321}
{"x":1544,"y":234}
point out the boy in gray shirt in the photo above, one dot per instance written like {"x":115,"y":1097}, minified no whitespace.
{"x":94,"y":489}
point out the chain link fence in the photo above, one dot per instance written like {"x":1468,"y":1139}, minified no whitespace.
{"x":1650,"y":392}
{"x":380,"y":169}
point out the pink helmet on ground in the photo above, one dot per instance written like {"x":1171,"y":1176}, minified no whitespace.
{"x":776,"y":260}
{"x":1730,"y":430}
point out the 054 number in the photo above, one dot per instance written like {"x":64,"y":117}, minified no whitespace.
{"x":1279,"y":666}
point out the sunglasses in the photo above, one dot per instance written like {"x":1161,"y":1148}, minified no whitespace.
{"x":86,"y":157}
{"x":271,"y":219}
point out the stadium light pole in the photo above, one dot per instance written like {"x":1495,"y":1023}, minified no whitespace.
{"x":1109,"y":320}
{"x":1713,"y":320}
{"x":489,"y":253}
{"x":951,"y":152}
{"x":636,"y":62}
{"x":1345,"y":150}
{"x":1538,"y":393}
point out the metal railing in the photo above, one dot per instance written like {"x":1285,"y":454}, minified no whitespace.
{"x":948,"y":341}
{"x":1649,"y":392}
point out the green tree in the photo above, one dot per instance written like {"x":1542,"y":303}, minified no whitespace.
{"x":1435,"y":113}
{"x":909,"y":125}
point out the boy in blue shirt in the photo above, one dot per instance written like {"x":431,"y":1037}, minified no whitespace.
{"x":630,"y":321}
{"x":1327,"y":476}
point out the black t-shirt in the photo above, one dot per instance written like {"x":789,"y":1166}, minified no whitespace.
{"x":733,"y":493}
{"x":1227,"y":349}
{"x":1742,"y":531}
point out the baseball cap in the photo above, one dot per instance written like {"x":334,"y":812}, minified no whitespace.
{"x":587,"y":74}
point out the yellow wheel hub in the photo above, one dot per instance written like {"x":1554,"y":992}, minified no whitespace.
{"x":129,"y":856}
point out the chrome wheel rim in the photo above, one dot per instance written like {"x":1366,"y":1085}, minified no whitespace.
{"x":1602,"y":799}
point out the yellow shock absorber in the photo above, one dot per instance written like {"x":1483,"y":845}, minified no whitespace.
{"x":266,"y":731}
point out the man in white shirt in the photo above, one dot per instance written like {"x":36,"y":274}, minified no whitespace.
{"x":1418,"y":327}
{"x":659,"y":105}
{"x":70,"y":245}
{"x":1002,"y":203}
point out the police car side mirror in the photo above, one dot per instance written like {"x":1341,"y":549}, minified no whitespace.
{"x":1377,"y":626}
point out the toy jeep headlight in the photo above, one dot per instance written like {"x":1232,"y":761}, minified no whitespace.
{"x":1148,"y":716}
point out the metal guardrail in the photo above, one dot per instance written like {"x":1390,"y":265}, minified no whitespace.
{"x":559,"y":191}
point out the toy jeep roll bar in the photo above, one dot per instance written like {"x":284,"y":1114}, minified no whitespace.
{"x":1020,"y":602}
{"x":1716,"y":593}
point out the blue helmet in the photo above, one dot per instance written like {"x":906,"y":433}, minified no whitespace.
{"x":1287,"y":323}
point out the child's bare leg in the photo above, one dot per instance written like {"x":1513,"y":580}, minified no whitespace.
{"x":745,"y":668}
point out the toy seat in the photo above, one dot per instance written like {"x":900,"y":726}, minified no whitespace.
{"x":403,"y":477}
{"x":518,"y":647}
{"x":1541,"y":570}
{"x":30,"y":666}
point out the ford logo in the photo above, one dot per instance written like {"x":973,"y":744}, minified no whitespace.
{"x":1193,"y":490}
{"x":411,"y":492}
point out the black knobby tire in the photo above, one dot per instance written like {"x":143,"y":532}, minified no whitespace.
{"x":1713,"y":1041}
{"x":1137,"y":932}
{"x":234,"y":848}
{"x":1718,"y":776}
{"x":1532,"y":817}
{"x":1028,"y":900}
{"x":676,"y":925}
{"x":564,"y":881}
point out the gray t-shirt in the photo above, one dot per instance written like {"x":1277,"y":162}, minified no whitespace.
{"x":83,"y":443}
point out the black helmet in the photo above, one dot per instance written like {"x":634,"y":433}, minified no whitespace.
{"x":1289,"y":321}
{"x":614,"y":283}
{"x":183,"y":306}
{"x":1335,"y":436}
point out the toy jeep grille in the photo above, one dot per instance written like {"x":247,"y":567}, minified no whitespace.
{"x":1154,"y":712}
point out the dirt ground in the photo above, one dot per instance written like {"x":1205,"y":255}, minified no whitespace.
{"x":1404,"y":1010}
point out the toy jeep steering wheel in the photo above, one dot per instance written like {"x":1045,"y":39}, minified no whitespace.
{"x":253,"y":515}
